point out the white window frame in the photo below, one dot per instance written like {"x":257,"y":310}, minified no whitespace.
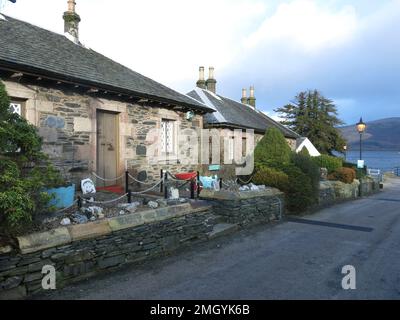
{"x":168,"y":145}
{"x":17,"y":105}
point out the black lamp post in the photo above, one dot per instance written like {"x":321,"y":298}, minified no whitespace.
{"x":345,"y":152}
{"x":361,"y":127}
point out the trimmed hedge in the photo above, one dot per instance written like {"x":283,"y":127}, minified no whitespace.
{"x":300,"y":194}
{"x":329,"y":162}
{"x":272,"y":178}
{"x":306,"y":164}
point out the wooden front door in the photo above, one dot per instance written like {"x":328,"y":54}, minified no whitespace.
{"x":107,"y":148}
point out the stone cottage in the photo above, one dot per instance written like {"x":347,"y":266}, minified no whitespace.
{"x":231,"y":115}
{"x":94,"y":114}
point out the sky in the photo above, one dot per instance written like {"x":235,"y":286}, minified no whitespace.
{"x":349,"y":50}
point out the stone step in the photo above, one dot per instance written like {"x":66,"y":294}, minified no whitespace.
{"x":216,"y":219}
{"x":222,"y":229}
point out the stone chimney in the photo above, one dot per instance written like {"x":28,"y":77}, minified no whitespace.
{"x":211,"y":83}
{"x":244,"y":96}
{"x":201,"y":83}
{"x":71,"y":22}
{"x":252,"y":99}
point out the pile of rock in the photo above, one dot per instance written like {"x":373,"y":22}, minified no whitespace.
{"x":252,"y":187}
{"x":84,"y":215}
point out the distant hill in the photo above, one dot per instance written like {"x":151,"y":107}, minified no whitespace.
{"x":380,"y":135}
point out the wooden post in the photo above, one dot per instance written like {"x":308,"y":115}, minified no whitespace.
{"x":126,"y":181}
{"x":198,"y":184}
{"x":192,"y":184}
{"x":166,"y":185}
{"x":79,"y":202}
{"x":162,"y":184}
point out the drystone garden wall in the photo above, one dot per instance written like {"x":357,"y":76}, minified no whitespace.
{"x":247,"y":208}
{"x":331,"y":192}
{"x":80,"y":251}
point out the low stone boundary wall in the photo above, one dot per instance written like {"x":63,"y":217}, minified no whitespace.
{"x":80,"y":251}
{"x":247,"y":208}
{"x":331,"y":192}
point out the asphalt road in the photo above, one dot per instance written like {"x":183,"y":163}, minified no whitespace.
{"x":290,"y":260}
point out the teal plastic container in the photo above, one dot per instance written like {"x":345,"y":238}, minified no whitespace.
{"x":63,"y":197}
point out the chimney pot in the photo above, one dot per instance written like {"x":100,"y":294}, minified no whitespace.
{"x":244,"y":96}
{"x":211,"y":83}
{"x":211,"y":73}
{"x":71,"y":5}
{"x":252,"y":98}
{"x":201,"y":83}
{"x":201,"y":71}
{"x":252,"y":92}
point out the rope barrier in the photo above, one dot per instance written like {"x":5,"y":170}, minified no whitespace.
{"x":150,"y":189}
{"x":183,"y":185}
{"x":141,"y":182}
{"x":109,"y":201}
{"x":106,"y":180}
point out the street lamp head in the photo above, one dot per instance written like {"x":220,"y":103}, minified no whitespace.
{"x":361,"y":126}
{"x":345,"y":148}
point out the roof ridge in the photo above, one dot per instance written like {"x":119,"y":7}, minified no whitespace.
{"x":31,"y":24}
{"x":87,"y":64}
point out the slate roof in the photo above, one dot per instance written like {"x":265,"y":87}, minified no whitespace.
{"x":231,"y":113}
{"x":28,"y":48}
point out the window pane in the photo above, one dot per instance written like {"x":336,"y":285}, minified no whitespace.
{"x":163,"y":136}
{"x":16,"y":108}
{"x":170,"y":137}
{"x":167,"y":136}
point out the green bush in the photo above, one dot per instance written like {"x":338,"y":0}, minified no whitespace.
{"x":346,"y":175}
{"x":273,"y":150}
{"x":300,"y":193}
{"x":329,"y":162}
{"x":24,"y":171}
{"x":272,"y":178}
{"x":305,"y":163}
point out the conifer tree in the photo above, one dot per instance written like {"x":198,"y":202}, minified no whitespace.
{"x":313,"y":116}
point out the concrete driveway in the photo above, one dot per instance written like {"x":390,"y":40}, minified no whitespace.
{"x":290,"y":260}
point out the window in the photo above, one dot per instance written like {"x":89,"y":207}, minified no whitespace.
{"x":167,"y":136}
{"x":231,"y":149}
{"x":16,"y":108}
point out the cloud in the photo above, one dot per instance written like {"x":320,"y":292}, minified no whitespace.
{"x":306,"y":25}
{"x":349,"y":52}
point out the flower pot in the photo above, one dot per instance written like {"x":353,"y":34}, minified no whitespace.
{"x":63,"y":197}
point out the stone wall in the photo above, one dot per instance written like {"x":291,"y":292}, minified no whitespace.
{"x":331,"y":192}
{"x":369,"y":186}
{"x":247,"y":208}
{"x":78,"y":252}
{"x":67,"y":123}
